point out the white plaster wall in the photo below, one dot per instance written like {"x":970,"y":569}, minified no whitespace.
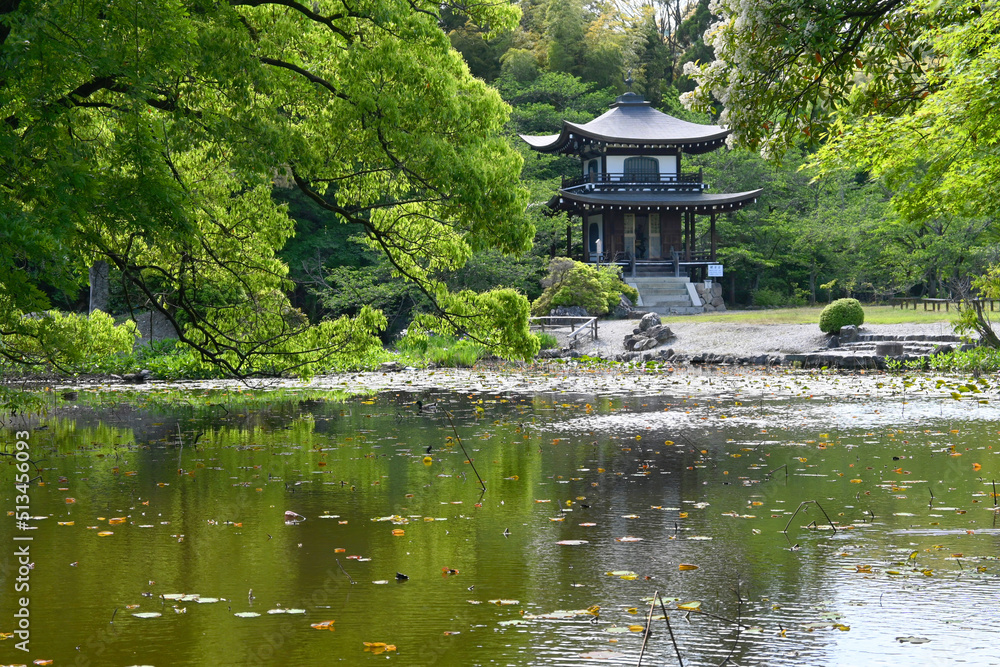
{"x":668,"y":163}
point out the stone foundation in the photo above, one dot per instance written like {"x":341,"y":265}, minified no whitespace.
{"x":711,"y":298}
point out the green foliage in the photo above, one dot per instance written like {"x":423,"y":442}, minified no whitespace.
{"x":841,"y":313}
{"x":152,"y":136}
{"x":547,"y":341}
{"x":976,"y":360}
{"x":973,"y":317}
{"x":67,"y":341}
{"x":769,"y":298}
{"x":441,"y":350}
{"x":572,"y":283}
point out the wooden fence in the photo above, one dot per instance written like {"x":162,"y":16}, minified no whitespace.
{"x":587,"y":325}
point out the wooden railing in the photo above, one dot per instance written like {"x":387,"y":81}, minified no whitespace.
{"x":555,"y":322}
{"x":684,"y":180}
{"x":935,"y":304}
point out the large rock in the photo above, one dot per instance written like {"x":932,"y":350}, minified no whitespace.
{"x":646,"y":344}
{"x":849,"y":334}
{"x":649,"y":320}
{"x":660,"y":332}
{"x":569,"y":311}
{"x":888,"y":349}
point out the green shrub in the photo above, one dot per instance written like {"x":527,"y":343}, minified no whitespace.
{"x":571,"y":283}
{"x":769,"y":298}
{"x":547,"y":340}
{"x":841,"y":313}
{"x":69,"y":342}
{"x":441,"y":350}
{"x":976,"y":360}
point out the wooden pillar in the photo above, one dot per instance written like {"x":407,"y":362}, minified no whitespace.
{"x":694,"y":234}
{"x":569,"y":239}
{"x":687,"y":236}
{"x":714,"y":240}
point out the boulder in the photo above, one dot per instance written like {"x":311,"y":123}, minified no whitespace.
{"x":390,"y":367}
{"x":649,"y":320}
{"x":569,"y":311}
{"x":888,"y":349}
{"x":660,"y":332}
{"x":834,"y":341}
{"x":849,"y":334}
{"x":645,"y":344}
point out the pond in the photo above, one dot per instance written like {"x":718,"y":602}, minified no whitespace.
{"x":159,"y":532}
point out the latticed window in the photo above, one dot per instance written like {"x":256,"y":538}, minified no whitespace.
{"x":642,"y":169}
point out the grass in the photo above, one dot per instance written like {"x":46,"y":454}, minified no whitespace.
{"x":806,"y":315}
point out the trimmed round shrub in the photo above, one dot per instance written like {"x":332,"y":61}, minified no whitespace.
{"x":841,"y":313}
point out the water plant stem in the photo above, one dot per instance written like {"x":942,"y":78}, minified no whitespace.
{"x":467,"y":457}
{"x":645,"y":634}
{"x":666,"y":619}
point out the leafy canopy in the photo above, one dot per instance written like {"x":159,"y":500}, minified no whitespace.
{"x":151,"y":136}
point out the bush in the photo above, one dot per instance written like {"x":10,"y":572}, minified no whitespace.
{"x":841,"y":313}
{"x":768,"y":298}
{"x":441,"y":350}
{"x":571,"y":283}
{"x":548,"y":341}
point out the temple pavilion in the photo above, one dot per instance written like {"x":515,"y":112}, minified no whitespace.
{"x":638,"y":207}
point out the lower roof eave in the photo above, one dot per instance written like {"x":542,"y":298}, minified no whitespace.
{"x":697,"y":202}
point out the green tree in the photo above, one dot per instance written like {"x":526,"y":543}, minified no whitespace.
{"x":151,"y":136}
{"x":564,"y":23}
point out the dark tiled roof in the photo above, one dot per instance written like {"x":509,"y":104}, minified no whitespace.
{"x":632,"y":121}
{"x":698,"y":202}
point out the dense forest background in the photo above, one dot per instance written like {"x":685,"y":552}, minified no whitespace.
{"x":809,"y":239}
{"x":812,"y":237}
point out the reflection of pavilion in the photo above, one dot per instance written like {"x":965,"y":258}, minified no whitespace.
{"x":638,"y":208}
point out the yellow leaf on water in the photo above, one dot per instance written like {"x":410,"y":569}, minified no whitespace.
{"x":690,"y":606}
{"x":105,"y":533}
{"x":323,"y":625}
{"x":637,"y":628}
{"x":687,"y":566}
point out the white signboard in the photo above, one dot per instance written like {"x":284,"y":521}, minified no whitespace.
{"x":715,"y":270}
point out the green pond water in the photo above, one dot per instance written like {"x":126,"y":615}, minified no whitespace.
{"x":577,"y":487}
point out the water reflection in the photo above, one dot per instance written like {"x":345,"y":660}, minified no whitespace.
{"x":630,"y":486}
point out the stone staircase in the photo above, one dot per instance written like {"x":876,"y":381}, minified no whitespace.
{"x":871,"y":351}
{"x":666,"y":295}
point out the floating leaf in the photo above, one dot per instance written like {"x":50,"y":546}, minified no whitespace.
{"x":246,"y":614}
{"x":323,"y":625}
{"x":690,"y":606}
{"x":504,"y":603}
{"x":572,"y":543}
{"x":601,"y":655}
{"x":513,"y":621}
{"x":912,"y":640}
{"x":628,"y":538}
{"x":687,"y":566}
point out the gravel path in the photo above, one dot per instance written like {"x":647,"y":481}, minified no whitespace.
{"x":735,"y":338}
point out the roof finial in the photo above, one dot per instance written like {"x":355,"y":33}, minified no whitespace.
{"x":629,"y":80}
